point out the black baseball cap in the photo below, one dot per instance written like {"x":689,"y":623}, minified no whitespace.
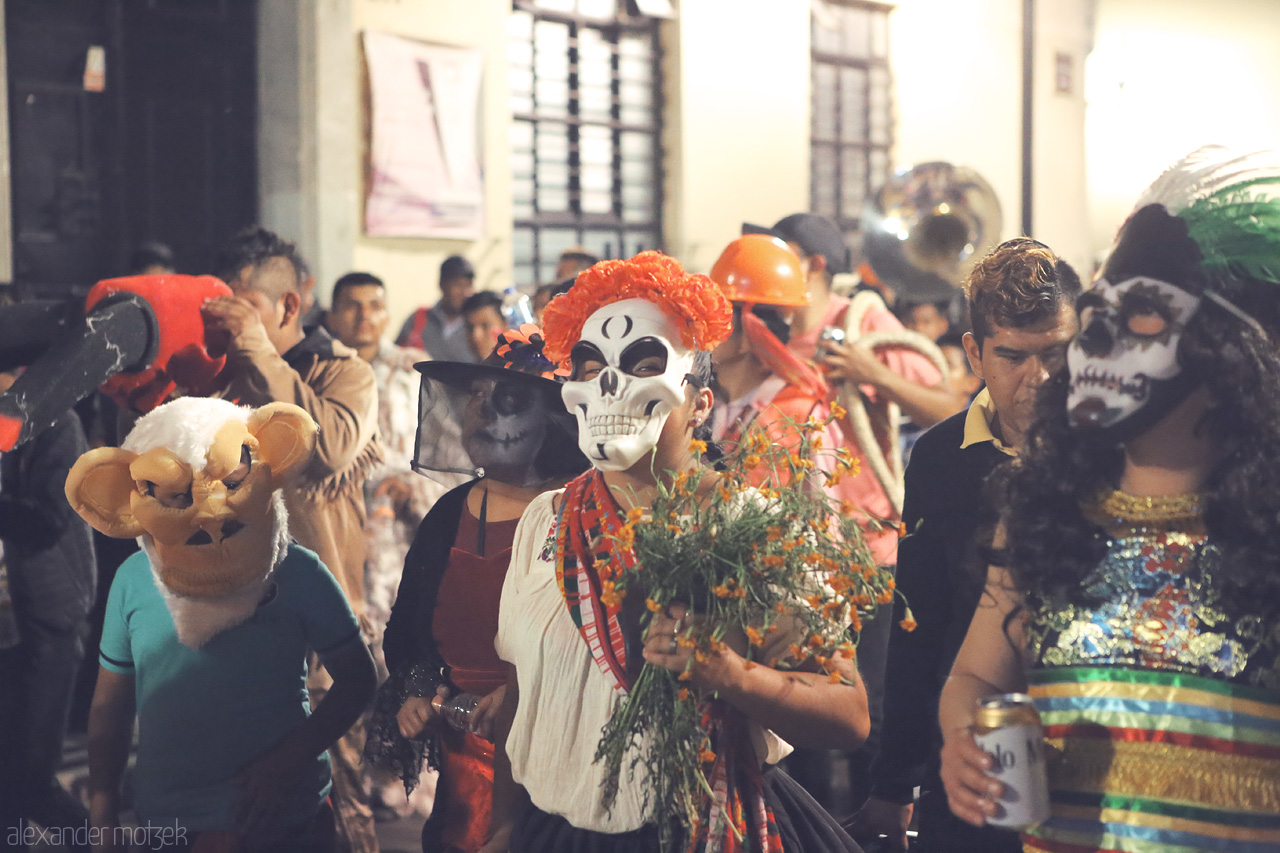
{"x":814,"y":234}
{"x":456,"y":266}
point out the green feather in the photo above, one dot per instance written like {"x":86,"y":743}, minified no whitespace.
{"x":1238,"y":231}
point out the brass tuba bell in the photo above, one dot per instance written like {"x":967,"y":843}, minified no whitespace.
{"x":927,"y":227}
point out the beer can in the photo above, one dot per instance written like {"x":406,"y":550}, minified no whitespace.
{"x":1007,"y":727}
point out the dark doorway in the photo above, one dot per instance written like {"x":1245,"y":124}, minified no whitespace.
{"x":167,"y":151}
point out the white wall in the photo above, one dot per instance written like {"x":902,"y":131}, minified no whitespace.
{"x":1168,"y":76}
{"x":1060,"y":195}
{"x":957,"y":90}
{"x":737,"y":133}
{"x":957,"y":70}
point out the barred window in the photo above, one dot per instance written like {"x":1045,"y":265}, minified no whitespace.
{"x":852,"y":122}
{"x":585,"y":103}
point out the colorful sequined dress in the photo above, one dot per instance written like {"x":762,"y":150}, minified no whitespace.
{"x":1161,"y":709}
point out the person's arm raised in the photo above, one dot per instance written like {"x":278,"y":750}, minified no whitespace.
{"x":925,"y":405}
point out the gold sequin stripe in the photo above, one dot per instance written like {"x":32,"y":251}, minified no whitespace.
{"x":1233,"y":783}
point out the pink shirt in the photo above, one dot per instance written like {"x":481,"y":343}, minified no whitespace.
{"x":864,"y":491}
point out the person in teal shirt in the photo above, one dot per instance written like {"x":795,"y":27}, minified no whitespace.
{"x":207,"y":633}
{"x":204,"y":714}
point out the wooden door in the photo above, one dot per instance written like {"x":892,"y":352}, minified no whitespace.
{"x":166,"y":152}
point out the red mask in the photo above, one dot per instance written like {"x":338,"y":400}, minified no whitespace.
{"x":182,"y":359}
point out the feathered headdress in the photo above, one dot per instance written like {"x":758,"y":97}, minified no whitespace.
{"x":1230,"y":206}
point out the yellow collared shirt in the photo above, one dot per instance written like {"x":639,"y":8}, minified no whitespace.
{"x":977,"y":424}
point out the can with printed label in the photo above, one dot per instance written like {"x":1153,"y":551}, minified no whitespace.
{"x":1007,"y":727}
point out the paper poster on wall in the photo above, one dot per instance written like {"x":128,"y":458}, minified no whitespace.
{"x":425,"y":177}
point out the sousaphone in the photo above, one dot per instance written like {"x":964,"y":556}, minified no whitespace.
{"x":923,"y":231}
{"x":927,"y":227}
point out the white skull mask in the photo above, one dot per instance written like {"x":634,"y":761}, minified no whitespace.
{"x":1124,"y":359}
{"x":620,"y":399}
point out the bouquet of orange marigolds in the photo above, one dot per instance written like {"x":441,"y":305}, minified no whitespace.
{"x":761,"y":552}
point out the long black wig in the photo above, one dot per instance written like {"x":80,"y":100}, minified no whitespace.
{"x":1051,"y":546}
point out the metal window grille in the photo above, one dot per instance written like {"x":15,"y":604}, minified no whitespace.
{"x":585,"y":132}
{"x":852,"y":119}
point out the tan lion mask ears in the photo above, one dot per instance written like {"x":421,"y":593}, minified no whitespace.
{"x":100,"y":484}
{"x":286,"y":437}
{"x":99,"y":487}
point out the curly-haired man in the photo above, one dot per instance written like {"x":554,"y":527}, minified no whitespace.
{"x":1022,"y":304}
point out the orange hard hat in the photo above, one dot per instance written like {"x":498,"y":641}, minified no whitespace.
{"x":759,"y":269}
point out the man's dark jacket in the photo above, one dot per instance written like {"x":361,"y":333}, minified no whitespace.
{"x":47,"y":547}
{"x":949,"y":518}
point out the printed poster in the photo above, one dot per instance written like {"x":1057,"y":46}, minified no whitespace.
{"x":425,"y":175}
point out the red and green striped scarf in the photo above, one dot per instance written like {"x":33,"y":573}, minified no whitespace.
{"x":587,"y":558}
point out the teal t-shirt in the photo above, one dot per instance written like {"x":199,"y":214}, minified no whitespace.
{"x":204,"y":714}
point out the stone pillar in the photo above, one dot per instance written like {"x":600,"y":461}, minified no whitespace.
{"x":308,"y":151}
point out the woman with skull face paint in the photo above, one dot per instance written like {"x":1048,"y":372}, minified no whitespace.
{"x":516,"y":441}
{"x":638,"y":334}
{"x":1140,"y":588}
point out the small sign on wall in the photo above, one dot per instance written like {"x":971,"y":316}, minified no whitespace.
{"x":1063,"y":73}
{"x":95,"y":69}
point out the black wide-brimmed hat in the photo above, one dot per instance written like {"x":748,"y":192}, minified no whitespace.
{"x":446,"y":386}
{"x":518,"y":353}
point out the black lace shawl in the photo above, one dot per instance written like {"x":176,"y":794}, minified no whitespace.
{"x":413,"y":660}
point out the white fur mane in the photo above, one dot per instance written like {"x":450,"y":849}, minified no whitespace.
{"x":188,"y":426}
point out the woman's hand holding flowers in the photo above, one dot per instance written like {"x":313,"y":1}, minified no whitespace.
{"x":670,"y":642}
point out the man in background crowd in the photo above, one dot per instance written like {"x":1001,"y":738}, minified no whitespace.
{"x":927,"y":318}
{"x":311,"y":311}
{"x":1022,"y":303}
{"x":270,"y":358}
{"x":541,"y":298}
{"x":152,"y":258}
{"x":440,"y":329}
{"x":47,"y":574}
{"x":960,"y":374}
{"x":482,"y":313}
{"x":397,"y":497}
{"x":572,"y":261}
{"x":760,"y":385}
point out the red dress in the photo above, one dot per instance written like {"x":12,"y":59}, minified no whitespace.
{"x":464,"y":623}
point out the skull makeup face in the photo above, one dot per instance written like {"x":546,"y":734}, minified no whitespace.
{"x":629,"y":371}
{"x":503,"y":426}
{"x":1124,"y":361}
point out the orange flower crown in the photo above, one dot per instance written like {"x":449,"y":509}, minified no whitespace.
{"x":694,"y":302}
